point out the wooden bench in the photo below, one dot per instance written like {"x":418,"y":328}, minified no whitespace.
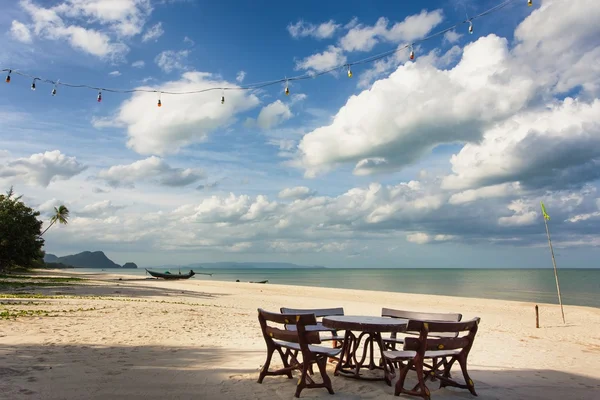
{"x":429,"y":345}
{"x":288,"y":343}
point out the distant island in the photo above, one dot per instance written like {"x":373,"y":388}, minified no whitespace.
{"x":86,"y":259}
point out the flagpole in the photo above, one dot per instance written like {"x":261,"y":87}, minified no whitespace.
{"x":545,"y":216}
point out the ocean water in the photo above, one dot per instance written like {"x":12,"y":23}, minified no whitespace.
{"x":578,"y":286}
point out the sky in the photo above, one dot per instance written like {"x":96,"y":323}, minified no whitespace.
{"x":436,"y":161}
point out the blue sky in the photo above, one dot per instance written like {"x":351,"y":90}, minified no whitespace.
{"x":438,"y":161}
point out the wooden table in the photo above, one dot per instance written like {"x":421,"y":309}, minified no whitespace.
{"x":370,"y":329}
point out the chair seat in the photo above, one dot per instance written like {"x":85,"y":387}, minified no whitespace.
{"x":333,"y":337}
{"x":311,"y":328}
{"x":406,"y":354}
{"x":329,"y":351}
{"x":398,"y":340}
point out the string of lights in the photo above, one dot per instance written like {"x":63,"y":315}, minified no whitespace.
{"x":260,"y":85}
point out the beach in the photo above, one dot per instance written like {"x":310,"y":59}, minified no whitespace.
{"x":138,"y":338}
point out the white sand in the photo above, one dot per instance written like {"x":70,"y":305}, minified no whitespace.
{"x":211,"y":346}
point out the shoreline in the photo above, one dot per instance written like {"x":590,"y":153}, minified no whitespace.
{"x":199,"y":339}
{"x":213,"y":280}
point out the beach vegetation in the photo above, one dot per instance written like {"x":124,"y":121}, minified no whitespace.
{"x":20,"y":229}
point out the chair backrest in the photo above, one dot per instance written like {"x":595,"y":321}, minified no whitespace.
{"x":318,"y":312}
{"x":300,"y":335}
{"x":425,"y":316}
{"x":425,"y":342}
{"x":422,"y":316}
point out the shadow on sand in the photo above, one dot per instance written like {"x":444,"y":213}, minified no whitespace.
{"x":156,"y":372}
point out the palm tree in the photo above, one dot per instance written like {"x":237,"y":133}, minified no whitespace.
{"x":61,"y":215}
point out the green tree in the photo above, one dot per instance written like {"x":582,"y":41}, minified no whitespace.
{"x":20,"y":241}
{"x":61,"y":215}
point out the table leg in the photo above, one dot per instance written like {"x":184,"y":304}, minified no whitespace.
{"x":388,"y":369}
{"x":350,"y":365}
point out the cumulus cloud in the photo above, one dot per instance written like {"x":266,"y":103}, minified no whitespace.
{"x":138,"y":64}
{"x":364,"y":37}
{"x":330,"y":58}
{"x":152,"y":169}
{"x":20,"y":32}
{"x":114,"y":73}
{"x":171,"y":60}
{"x":41,"y":169}
{"x":241,"y":75}
{"x":100,"y":209}
{"x":65,"y":21}
{"x":182,"y":120}
{"x":418,"y":107}
{"x":554,"y":148}
{"x":322,"y":31}
{"x":153,"y":33}
{"x":296,"y":193}
{"x":452,"y":36}
{"x":273,"y":114}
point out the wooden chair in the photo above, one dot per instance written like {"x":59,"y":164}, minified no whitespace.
{"x":337,"y":339}
{"x":289,"y":342}
{"x":418,"y":349}
{"x":391,"y":342}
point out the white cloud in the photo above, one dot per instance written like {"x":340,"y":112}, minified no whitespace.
{"x":418,"y":238}
{"x":295,"y":193}
{"x":65,"y":21}
{"x":170,"y":60}
{"x":273,"y":114}
{"x":321,"y":31}
{"x":100,"y":209}
{"x":556,"y":146}
{"x":138,"y":64}
{"x":523,"y":214}
{"x":41,"y":169}
{"x":418,"y":107}
{"x":114,"y":73}
{"x":188,"y":41}
{"x":241,"y":75}
{"x":452,"y":36}
{"x":153,"y":33}
{"x":319,"y":62}
{"x":364,"y":38}
{"x":182,"y":120}
{"x":20,"y":32}
{"x":152,"y":169}
{"x":487,"y":192}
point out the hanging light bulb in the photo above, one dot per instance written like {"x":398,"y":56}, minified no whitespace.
{"x":529,"y":3}
{"x":33,"y":85}
{"x":470,"y":27}
{"x":223,"y":96}
{"x":412,"y":53}
{"x":349,"y":72}
{"x":159,"y":103}
{"x":287,"y":88}
{"x":8,"y":76}
{"x":54,"y":91}
{"x":99,"y":96}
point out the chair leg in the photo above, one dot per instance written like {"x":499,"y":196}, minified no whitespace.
{"x":265,"y":368}
{"x":322,"y":364}
{"x":462,"y":360}
{"x":401,"y":378}
{"x":423,"y":389}
{"x":302,"y":380}
{"x":286,"y":364}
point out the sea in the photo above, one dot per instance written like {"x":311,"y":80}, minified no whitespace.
{"x":579,"y":287}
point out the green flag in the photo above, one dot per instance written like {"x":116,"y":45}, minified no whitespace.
{"x":544,"y":213}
